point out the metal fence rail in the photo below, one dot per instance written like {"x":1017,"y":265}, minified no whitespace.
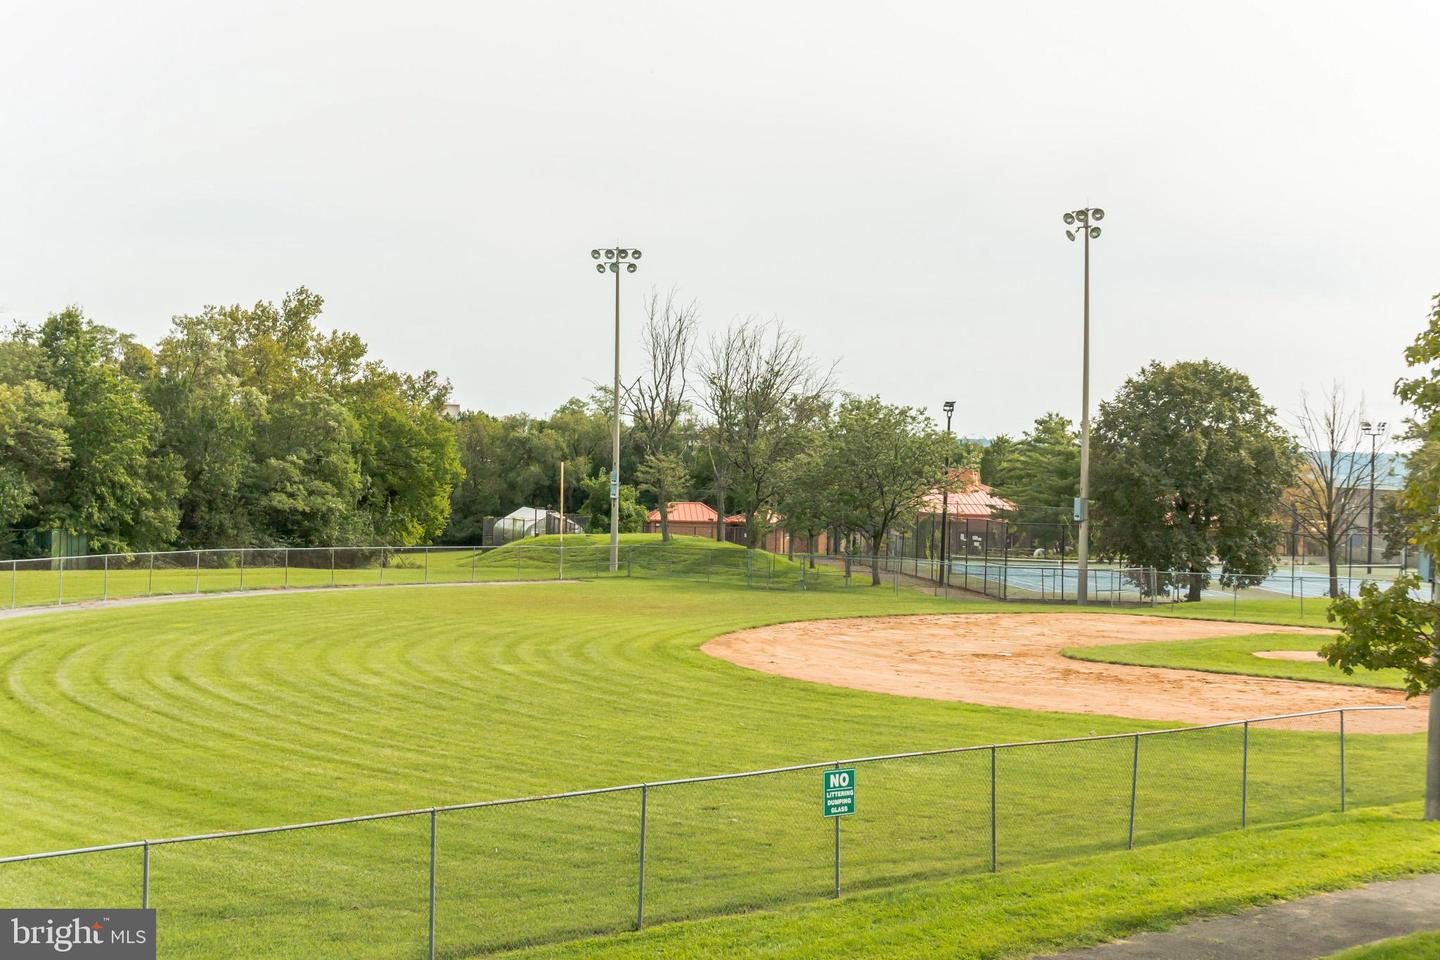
{"x":492,"y":875}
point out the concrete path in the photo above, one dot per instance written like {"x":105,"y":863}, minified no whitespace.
{"x":1298,"y":930}
{"x":38,"y":611}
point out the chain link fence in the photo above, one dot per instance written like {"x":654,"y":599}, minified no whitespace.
{"x":479,"y":878}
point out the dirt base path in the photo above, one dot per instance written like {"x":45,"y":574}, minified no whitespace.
{"x":1014,"y":660}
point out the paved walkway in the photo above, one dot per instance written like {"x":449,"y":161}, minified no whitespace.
{"x":1298,"y":930}
{"x":48,"y":608}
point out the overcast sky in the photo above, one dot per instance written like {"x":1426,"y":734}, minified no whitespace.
{"x":888,"y":179}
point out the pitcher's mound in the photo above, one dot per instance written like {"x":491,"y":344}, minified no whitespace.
{"x":1014,"y":660}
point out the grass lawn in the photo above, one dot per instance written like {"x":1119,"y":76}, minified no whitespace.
{"x":1054,"y":907}
{"x":1417,"y":946}
{"x":161,"y":720}
{"x":1237,"y":655}
{"x":31,"y":583}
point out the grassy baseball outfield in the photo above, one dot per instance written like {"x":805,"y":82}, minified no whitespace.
{"x":159,"y":720}
{"x":1238,"y":655}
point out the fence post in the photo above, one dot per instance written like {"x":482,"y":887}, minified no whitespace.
{"x":150,"y":585}
{"x":105,"y":579}
{"x":332,"y":566}
{"x":382,"y":566}
{"x":475,"y":553}
{"x":14,"y":569}
{"x":1244,"y":773}
{"x":994,"y":840}
{"x":640,"y":901}
{"x":242,"y":568}
{"x":286,"y":561}
{"x":432,"y":884}
{"x":1235,"y":602}
{"x":1342,"y":761}
{"x":1134,"y":785}
{"x":60,"y":586}
{"x":145,"y":877}
{"x":837,"y":848}
{"x":630,"y":561}
{"x":197,"y":571}
{"x":427,"y":563}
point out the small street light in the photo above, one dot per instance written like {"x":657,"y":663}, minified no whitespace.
{"x":949,"y":408}
{"x":1374,"y":431}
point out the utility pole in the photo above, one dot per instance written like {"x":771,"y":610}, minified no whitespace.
{"x":612,"y":259}
{"x":1085,"y":218}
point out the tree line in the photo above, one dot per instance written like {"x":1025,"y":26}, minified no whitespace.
{"x":252,"y":426}
{"x":243,"y":426}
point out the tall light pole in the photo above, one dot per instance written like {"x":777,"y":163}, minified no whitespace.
{"x":612,"y":259}
{"x":1085,"y":219}
{"x":949,"y":408}
{"x":1374,"y":431}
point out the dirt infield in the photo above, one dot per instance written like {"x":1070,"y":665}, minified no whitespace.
{"x":1014,"y":660}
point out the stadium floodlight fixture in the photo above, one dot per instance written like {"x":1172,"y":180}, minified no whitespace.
{"x":948,"y":406}
{"x":1086,"y":218}
{"x":610,"y":259}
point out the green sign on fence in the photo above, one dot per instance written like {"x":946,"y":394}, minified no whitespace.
{"x":839,"y":792}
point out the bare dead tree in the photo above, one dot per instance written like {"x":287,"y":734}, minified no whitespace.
{"x":1330,"y":492}
{"x":658,"y":400}
{"x":763,"y":393}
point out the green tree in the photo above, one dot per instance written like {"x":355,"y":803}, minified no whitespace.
{"x":290,"y":435}
{"x":1421,"y":496}
{"x":408,"y":457}
{"x":1190,"y":463}
{"x":1042,"y":473}
{"x":209,"y":417}
{"x":34,"y":448}
{"x":882,"y":462}
{"x":1395,"y":523}
{"x":995,"y":460}
{"x":806,"y":498}
{"x":665,"y":475}
{"x":597,"y":505}
{"x":1394,"y":629}
{"x":117,"y":487}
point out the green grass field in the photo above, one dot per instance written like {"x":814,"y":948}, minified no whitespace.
{"x":1048,"y":908}
{"x":1237,"y":655}
{"x":32,"y":583}
{"x":161,"y":720}
{"x":1419,"y":946}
